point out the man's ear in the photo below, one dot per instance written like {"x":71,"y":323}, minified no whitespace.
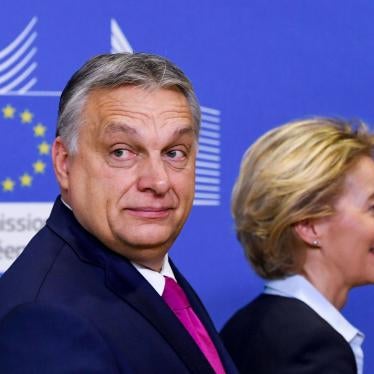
{"x":60,"y":157}
{"x":307,"y":232}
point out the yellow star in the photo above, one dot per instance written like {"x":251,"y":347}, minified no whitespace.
{"x":8,"y":184}
{"x":43,"y":148}
{"x":26,"y":180}
{"x":39,"y":130}
{"x":26,"y":116}
{"x":8,"y":111}
{"x":39,"y":167}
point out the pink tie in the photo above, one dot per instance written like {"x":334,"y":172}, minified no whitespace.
{"x":177,"y":300}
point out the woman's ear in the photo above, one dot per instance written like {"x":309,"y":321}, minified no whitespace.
{"x":307,"y":232}
{"x":60,"y":157}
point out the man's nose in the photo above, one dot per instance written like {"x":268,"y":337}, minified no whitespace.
{"x":154,"y":176}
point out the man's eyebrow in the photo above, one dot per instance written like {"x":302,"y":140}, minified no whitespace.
{"x":116,"y":127}
{"x":120,"y":127}
{"x":184,"y":130}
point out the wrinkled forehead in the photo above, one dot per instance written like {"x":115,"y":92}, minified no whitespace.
{"x":142,"y":99}
{"x":135,"y":111}
{"x":141,"y":96}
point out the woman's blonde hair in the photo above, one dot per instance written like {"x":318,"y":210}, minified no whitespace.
{"x":292,"y":173}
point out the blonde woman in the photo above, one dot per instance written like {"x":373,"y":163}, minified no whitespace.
{"x":304,"y":211}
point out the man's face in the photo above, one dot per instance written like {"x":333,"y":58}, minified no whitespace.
{"x":131,"y":182}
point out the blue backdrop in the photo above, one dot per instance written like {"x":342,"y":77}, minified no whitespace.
{"x":254,"y":64}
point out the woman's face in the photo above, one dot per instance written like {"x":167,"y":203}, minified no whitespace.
{"x":347,"y":237}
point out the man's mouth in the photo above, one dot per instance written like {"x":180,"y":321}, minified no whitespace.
{"x":150,"y":212}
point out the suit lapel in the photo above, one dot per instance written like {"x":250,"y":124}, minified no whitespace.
{"x":129,"y":284}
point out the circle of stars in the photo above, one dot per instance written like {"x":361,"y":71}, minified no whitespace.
{"x":43,"y":148}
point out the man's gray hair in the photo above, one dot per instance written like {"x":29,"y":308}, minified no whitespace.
{"x":114,"y":70}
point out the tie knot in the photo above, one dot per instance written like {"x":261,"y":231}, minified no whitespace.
{"x":174,"y":296}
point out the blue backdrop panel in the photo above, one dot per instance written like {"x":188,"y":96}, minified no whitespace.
{"x":254,"y":64}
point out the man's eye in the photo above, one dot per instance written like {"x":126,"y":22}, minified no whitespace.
{"x":176,"y":154}
{"x":122,"y":153}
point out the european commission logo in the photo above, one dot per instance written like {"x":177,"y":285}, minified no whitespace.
{"x":27,"y":118}
{"x":25,"y":124}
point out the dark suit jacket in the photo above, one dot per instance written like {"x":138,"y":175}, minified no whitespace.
{"x":70,"y":305}
{"x":275,"y":334}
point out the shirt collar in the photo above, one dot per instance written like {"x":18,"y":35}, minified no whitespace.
{"x":154,"y":278}
{"x":66,"y":204}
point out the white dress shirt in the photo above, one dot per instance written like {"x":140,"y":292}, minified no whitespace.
{"x":156,"y":279}
{"x":298,"y":287}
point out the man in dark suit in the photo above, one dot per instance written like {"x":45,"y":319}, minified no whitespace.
{"x":88,"y":293}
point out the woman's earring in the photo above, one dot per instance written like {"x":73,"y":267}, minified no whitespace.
{"x":316,"y":243}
